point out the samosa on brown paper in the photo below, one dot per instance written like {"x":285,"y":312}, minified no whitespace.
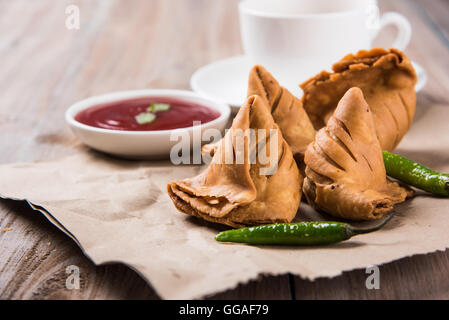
{"x":345,"y":172}
{"x":239,"y":194}
{"x":119,"y":211}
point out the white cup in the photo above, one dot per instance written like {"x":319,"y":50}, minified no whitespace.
{"x":295,"y":39}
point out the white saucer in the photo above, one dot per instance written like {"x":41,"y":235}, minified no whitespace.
{"x":226,"y":81}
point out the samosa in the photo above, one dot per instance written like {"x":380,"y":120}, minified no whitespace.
{"x":345,"y":172}
{"x":252,"y":179}
{"x":286,"y":109}
{"x":387,"y":79}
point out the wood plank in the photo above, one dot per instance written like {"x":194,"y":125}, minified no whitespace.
{"x":419,"y":278}
{"x":264,"y":288}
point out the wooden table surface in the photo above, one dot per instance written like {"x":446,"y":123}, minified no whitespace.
{"x":123,"y":44}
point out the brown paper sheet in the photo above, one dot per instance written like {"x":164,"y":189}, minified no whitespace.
{"x":119,"y":211}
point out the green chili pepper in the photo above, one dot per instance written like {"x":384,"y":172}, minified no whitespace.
{"x":299,"y":234}
{"x":416,"y":175}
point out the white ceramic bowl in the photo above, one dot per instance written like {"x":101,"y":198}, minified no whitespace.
{"x":140,"y":144}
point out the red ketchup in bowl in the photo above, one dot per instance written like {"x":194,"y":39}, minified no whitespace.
{"x":133,"y":114}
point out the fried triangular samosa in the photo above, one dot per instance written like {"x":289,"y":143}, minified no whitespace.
{"x":387,"y":79}
{"x":286,"y":109}
{"x":345,"y":172}
{"x":238,"y":193}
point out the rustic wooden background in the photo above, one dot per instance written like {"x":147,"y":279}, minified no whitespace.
{"x":153,"y":44}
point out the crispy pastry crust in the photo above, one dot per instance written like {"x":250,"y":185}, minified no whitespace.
{"x":387,"y":79}
{"x":345,"y":173}
{"x":286,"y":109}
{"x":238,"y":194}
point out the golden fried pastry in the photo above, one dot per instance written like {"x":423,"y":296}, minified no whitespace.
{"x":286,"y":109}
{"x":345,"y":172}
{"x":247,"y":192}
{"x":387,"y":79}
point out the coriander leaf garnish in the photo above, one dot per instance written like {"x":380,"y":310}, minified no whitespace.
{"x":156,"y":107}
{"x":145,"y":117}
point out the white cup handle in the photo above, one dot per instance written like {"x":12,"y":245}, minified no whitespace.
{"x":402,"y":24}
